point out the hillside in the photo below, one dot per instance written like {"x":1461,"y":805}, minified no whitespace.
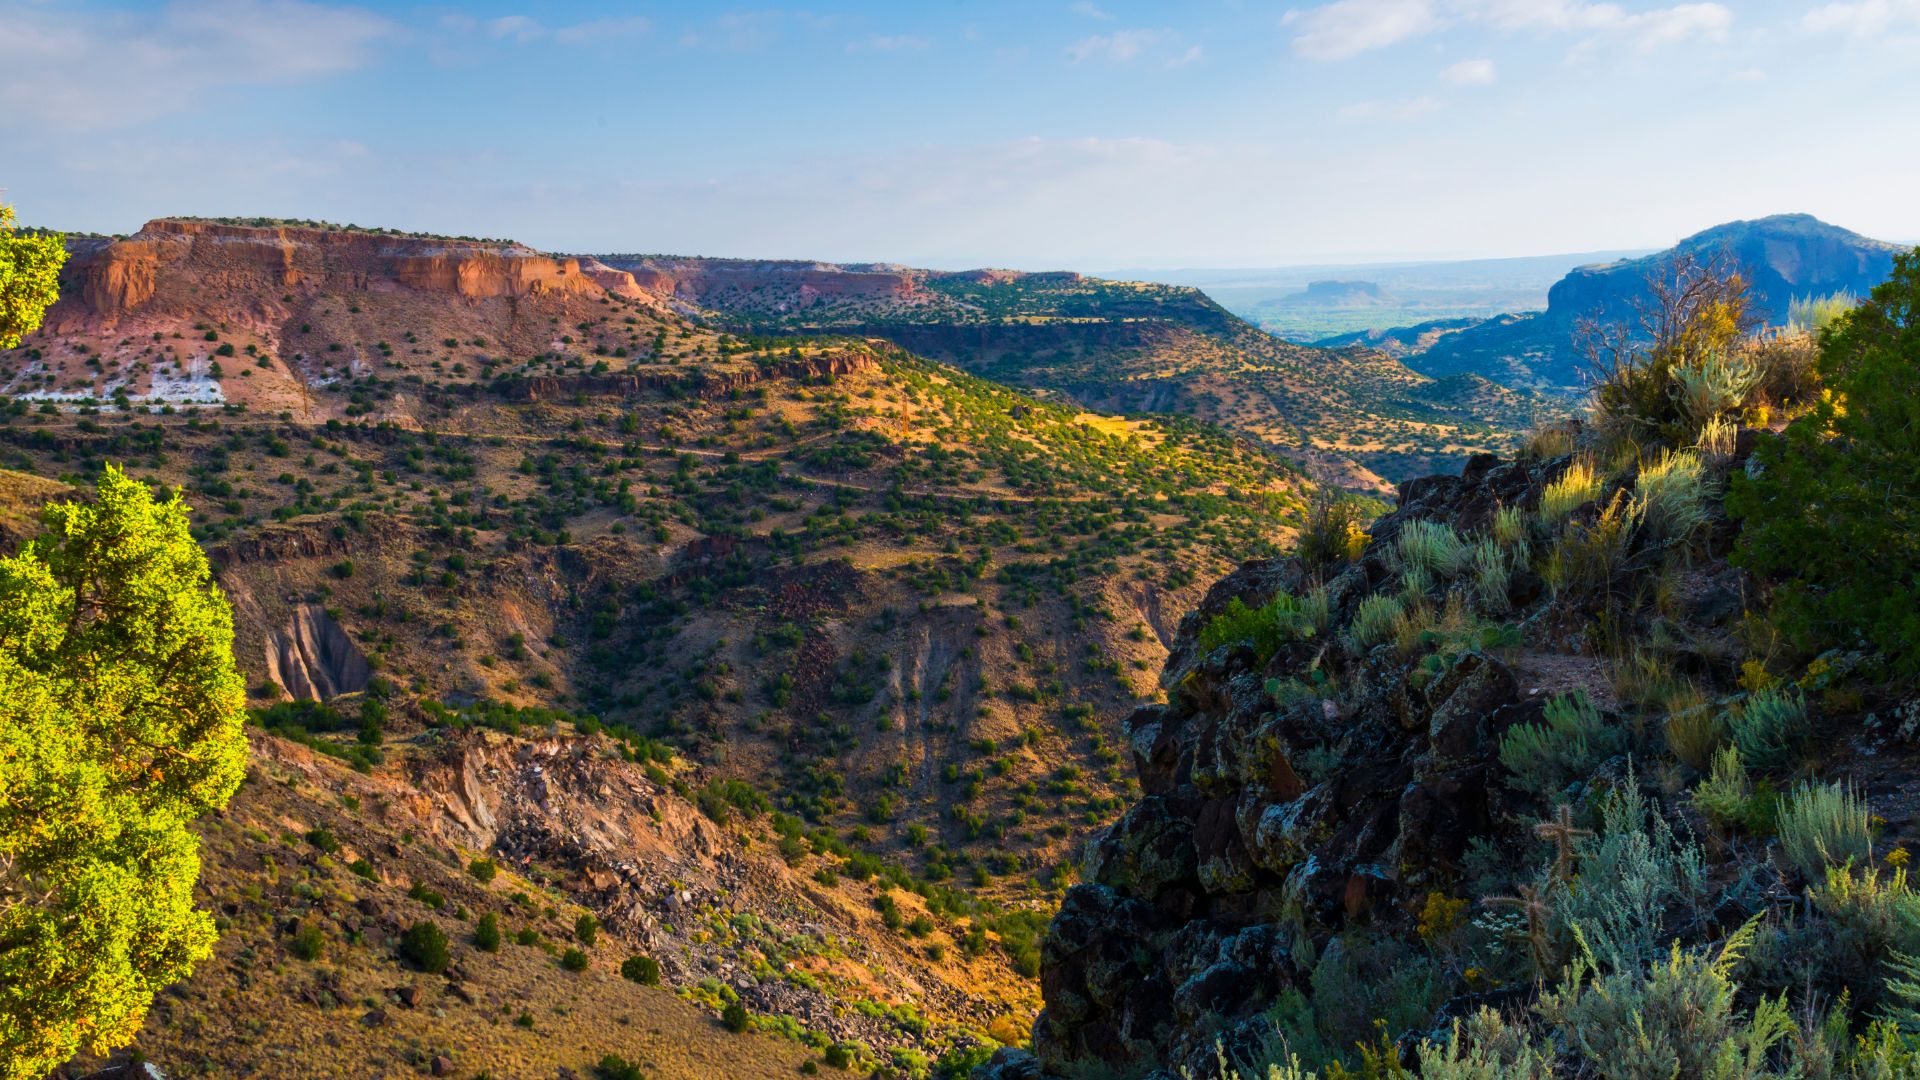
{"x":1444,"y":790}
{"x":865,"y":621}
{"x":1352,"y":417}
{"x":1785,"y":257}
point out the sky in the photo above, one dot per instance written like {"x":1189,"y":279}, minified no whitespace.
{"x":1082,"y":134}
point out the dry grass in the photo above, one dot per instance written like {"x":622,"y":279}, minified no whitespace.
{"x":1579,"y":485}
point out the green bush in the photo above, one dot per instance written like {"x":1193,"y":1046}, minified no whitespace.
{"x":1364,"y":979}
{"x":1429,"y":549}
{"x":1374,"y":621}
{"x":1492,"y":577}
{"x":615,"y":1067}
{"x":424,"y":946}
{"x":1728,"y":800}
{"x":586,"y":930}
{"x":309,"y":941}
{"x":486,"y":933}
{"x":1675,"y":1020}
{"x":574,"y":960}
{"x":1831,"y":512}
{"x":1486,"y":1047}
{"x":1824,"y":825}
{"x":1636,"y":878}
{"x":735,"y":1017}
{"x":1675,"y":495}
{"x":1871,"y":921}
{"x":720,"y":798}
{"x":1770,"y":727}
{"x":644,"y":970}
{"x":1283,"y":619}
{"x":483,"y":870}
{"x":1713,"y":385}
{"x":1568,"y":745}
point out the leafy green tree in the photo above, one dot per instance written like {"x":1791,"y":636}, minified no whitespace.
{"x":1832,"y":515}
{"x":120,"y":723}
{"x":29,"y":278}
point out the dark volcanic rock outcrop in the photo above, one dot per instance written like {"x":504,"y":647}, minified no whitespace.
{"x":1247,"y":850}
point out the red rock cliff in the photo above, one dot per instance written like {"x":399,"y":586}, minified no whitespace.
{"x":125,"y":276}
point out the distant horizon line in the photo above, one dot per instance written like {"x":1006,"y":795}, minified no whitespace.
{"x":1020,"y":264}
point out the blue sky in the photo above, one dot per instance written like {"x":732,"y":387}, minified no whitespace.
{"x":1083,"y":134}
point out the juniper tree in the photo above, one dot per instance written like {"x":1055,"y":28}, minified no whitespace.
{"x":1831,"y":513}
{"x":29,"y":278}
{"x":120,"y":724}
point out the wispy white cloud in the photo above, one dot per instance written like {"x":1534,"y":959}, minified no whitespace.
{"x":1090,"y":9}
{"x":1863,"y":18}
{"x":1644,"y":29}
{"x":88,"y":69}
{"x":1123,"y":46}
{"x":1470,"y":73}
{"x":524,"y":29}
{"x":1410,"y":109}
{"x":595,"y":30}
{"x":751,"y":31}
{"x":889,"y":43}
{"x":1350,"y":27}
{"x":517,"y":27}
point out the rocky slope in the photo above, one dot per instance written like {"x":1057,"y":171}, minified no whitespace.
{"x":316,"y":873}
{"x":1341,"y":840}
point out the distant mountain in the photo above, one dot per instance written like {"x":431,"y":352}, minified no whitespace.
{"x":1402,"y":341}
{"x":1418,"y":292}
{"x":1337,"y":294}
{"x":1785,"y":256}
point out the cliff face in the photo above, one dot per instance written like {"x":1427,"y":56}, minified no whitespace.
{"x":192,"y":312}
{"x":122,"y":278}
{"x":768,"y":283}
